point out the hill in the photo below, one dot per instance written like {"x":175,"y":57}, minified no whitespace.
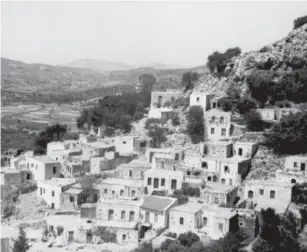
{"x":279,"y":58}
{"x":101,"y":66}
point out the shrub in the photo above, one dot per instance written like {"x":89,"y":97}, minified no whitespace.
{"x":290,"y":135}
{"x":299,"y":193}
{"x":188,"y":238}
{"x":299,"y":22}
{"x":167,"y":104}
{"x":195,"y":125}
{"x":164,"y":245}
{"x":245,"y":104}
{"x":188,"y":80}
{"x":172,"y":235}
{"x":227,"y":104}
{"x":22,"y":243}
{"x":253,"y":121}
{"x":181,"y":102}
{"x":175,"y":120}
{"x":158,"y":136}
{"x":151,"y":122}
{"x":264,"y":49}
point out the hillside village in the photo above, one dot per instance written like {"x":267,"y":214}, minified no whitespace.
{"x":128,"y":190}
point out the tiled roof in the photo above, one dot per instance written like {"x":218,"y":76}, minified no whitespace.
{"x":157,"y":203}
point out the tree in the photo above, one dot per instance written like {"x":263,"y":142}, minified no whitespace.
{"x":164,"y":245}
{"x":299,"y":22}
{"x":195,"y":125}
{"x":245,"y":104}
{"x":22,"y":242}
{"x":175,"y":120}
{"x":145,"y":247}
{"x":290,"y":135}
{"x":158,"y":135}
{"x":188,"y":238}
{"x":147,"y":82}
{"x":88,"y":184}
{"x":253,"y":121}
{"x":176,"y":247}
{"x":231,"y":242}
{"x":188,"y":80}
{"x":261,"y":245}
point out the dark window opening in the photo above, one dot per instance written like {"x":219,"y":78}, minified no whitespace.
{"x":250,"y":194}
{"x":174,"y":184}
{"x":71,"y":199}
{"x":181,"y":221}
{"x":303,"y":167}
{"x":156,"y":183}
{"x":54,"y":170}
{"x":110,"y":215}
{"x":293,"y":181}
{"x":261,"y":191}
{"x":204,"y":165}
{"x":240,"y":151}
{"x":205,"y":221}
{"x":163,"y":182}
{"x":272,"y":194}
{"x":149,"y":181}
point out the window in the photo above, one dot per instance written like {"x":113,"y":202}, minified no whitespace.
{"x":105,"y":190}
{"x":250,"y":194}
{"x":295,"y":164}
{"x":52,"y":193}
{"x":130,"y":174}
{"x":223,"y":132}
{"x":230,"y":181}
{"x":70,"y":236}
{"x":123,"y":215}
{"x":197,"y":99}
{"x":214,"y":178}
{"x":156,"y":183}
{"x":209,"y":178}
{"x":124,"y":142}
{"x":54,"y":170}
{"x":293,"y":181}
{"x":121,"y":192}
{"x":216,"y":200}
{"x":162,"y":164}
{"x":213,"y":119}
{"x":124,"y":237}
{"x":156,"y":218}
{"x":41,"y":191}
{"x":32,"y":165}
{"x":226,"y":168}
{"x":240,"y":151}
{"x":174,"y":184}
{"x":222,"y":119}
{"x":163,"y":182}
{"x":181,"y":221}
{"x":261,"y":191}
{"x":205,"y":221}
{"x":149,"y":181}
{"x":71,"y":199}
{"x":177,"y":156}
{"x":110,"y":215}
{"x":131,"y":216}
{"x":212,"y":131}
{"x":143,"y":144}
{"x":223,"y":181}
{"x":302,"y":166}
{"x":204,"y":165}
{"x":113,"y":192}
{"x":44,"y":191}
{"x":52,"y":205}
{"x":272,"y":194}
{"x":213,"y":105}
{"x":132,"y":193}
{"x":36,"y":167}
{"x":220,"y":226}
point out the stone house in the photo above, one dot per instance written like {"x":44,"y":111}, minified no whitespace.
{"x":282,"y":112}
{"x":229,"y":171}
{"x":245,"y":149}
{"x":158,"y":98}
{"x":96,"y":149}
{"x":162,"y":180}
{"x":75,"y":196}
{"x":267,"y":114}
{"x":100,"y":164}
{"x":200,"y":98}
{"x":270,"y":192}
{"x":192,"y":160}
{"x":88,"y":211}
{"x":19,"y":162}
{"x":215,"y":102}
{"x":166,"y":163}
{"x":114,"y":188}
{"x":217,"y":124}
{"x":118,"y":210}
{"x":154,"y":212}
{"x":219,"y":194}
{"x":186,"y":217}
{"x":176,"y":154}
{"x":124,"y":144}
{"x":296,"y":163}
{"x":291,"y":176}
{"x":218,"y":221}
{"x":132,"y":170}
{"x":60,"y":151}
{"x":141,"y":143}
{"x":217,"y":148}
{"x":161,"y":113}
{"x":50,"y":190}
{"x":74,"y":167}
{"x":43,"y":167}
{"x":11,"y":177}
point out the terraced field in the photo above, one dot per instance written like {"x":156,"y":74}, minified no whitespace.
{"x":37,"y":117}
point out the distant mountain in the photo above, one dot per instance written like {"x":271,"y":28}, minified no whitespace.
{"x":160,"y":66}
{"x":101,"y":66}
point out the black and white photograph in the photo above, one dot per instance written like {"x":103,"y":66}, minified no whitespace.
{"x":153,"y":126}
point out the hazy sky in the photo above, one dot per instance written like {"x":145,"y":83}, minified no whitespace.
{"x":138,"y":33}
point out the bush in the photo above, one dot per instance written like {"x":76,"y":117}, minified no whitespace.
{"x":254,"y":121}
{"x":172,"y":235}
{"x":195,"y":125}
{"x":299,"y":193}
{"x":167,"y":104}
{"x":245,"y":104}
{"x":188,"y":80}
{"x":158,"y":136}
{"x":175,"y":120}
{"x":299,"y":22}
{"x":227,"y":104}
{"x":181,"y":102}
{"x":290,"y":135}
{"x":151,"y":122}
{"x":188,"y":238}
{"x":264,"y":49}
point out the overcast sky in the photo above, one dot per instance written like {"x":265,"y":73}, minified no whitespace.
{"x":137,"y":33}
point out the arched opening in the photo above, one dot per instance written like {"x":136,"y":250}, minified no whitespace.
{"x":293,"y":181}
{"x":131,"y":216}
{"x":123,"y":215}
{"x":110,"y":216}
{"x":121,"y":192}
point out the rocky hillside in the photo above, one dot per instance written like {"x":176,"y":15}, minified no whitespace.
{"x":276,"y":57}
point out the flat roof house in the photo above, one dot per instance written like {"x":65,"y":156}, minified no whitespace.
{"x":158,"y":98}
{"x":133,"y":170}
{"x":161,"y":113}
{"x":43,"y":167}
{"x":200,"y":98}
{"x":245,"y":149}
